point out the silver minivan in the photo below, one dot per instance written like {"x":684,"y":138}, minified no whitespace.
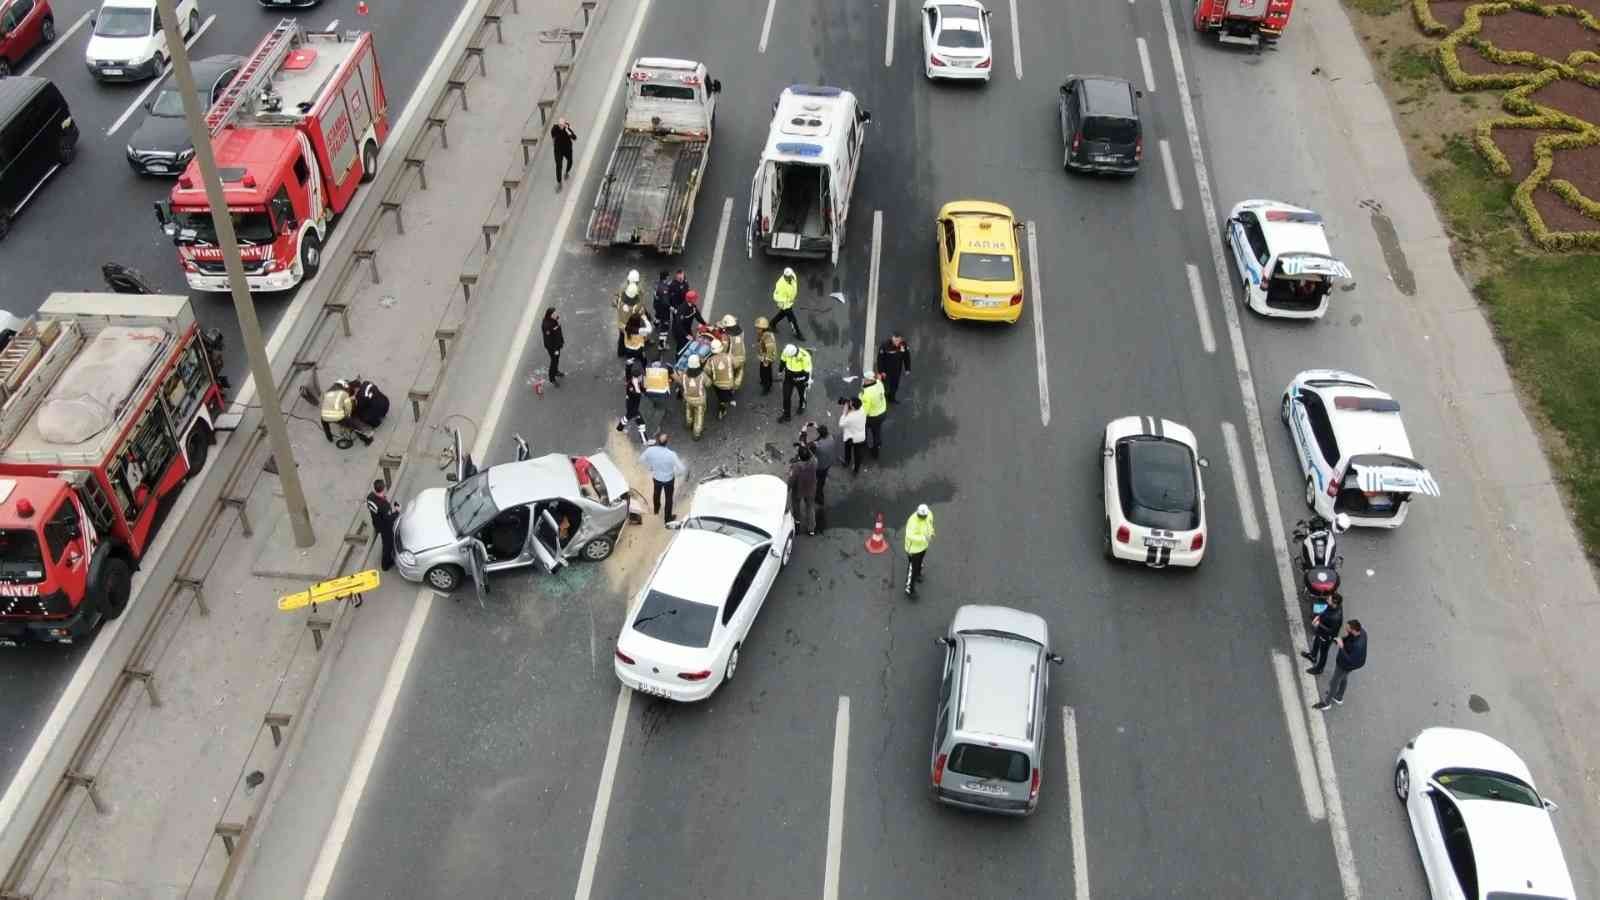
{"x":988,"y":737}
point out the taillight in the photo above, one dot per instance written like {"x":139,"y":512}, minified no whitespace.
{"x":987,"y":62}
{"x":695,"y":676}
{"x":1076,"y":140}
{"x":935,"y":61}
{"x":766,"y":224}
{"x":1033,"y":789}
{"x":1123,"y":534}
{"x":1016,"y":299}
{"x":1199,"y":540}
{"x":953,"y":294}
{"x":1138,"y":149}
{"x":938,"y":770}
{"x":625,"y":657}
{"x":1333,"y":487}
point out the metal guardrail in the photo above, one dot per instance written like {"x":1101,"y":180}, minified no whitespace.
{"x":253,"y":458}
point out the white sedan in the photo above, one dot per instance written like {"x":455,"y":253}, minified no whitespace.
{"x":681,"y":640}
{"x":955,"y":40}
{"x":1155,"y":501}
{"x":1481,"y":827}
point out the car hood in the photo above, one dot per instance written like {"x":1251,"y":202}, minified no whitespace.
{"x":1516,"y":848}
{"x":130,"y":49}
{"x":425,"y":522}
{"x":161,"y":133}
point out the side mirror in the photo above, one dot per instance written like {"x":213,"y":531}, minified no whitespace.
{"x":1056,"y":658}
{"x":163,"y":212}
{"x":1203,"y":462}
{"x":1551,"y":805}
{"x":715,"y":86}
{"x":1138,"y":94}
{"x":987,"y":13}
{"x":675,"y":525}
{"x":451,"y":477}
{"x":92,"y":18}
{"x":944,"y":641}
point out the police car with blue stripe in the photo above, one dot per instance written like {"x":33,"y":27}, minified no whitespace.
{"x":1286,"y":268}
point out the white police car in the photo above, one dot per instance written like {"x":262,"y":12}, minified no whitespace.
{"x":1352,"y":448}
{"x":1155,"y":502}
{"x":1285,"y":266}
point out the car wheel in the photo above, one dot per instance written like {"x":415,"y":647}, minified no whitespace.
{"x":47,"y":31}
{"x":369,"y":161}
{"x":1311,"y":493}
{"x":5,"y":67}
{"x":310,"y":254}
{"x":733,"y":664}
{"x":66,"y":148}
{"x":1402,"y":782}
{"x":1283,"y":409}
{"x":788,"y":551}
{"x":5,"y":224}
{"x":444,"y":578}
{"x":197,"y":446}
{"x":115,"y":589}
{"x":1105,"y":542}
{"x":194,"y":23}
{"x":158,"y":63}
{"x":598,"y":549}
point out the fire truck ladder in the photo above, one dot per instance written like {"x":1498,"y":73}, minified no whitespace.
{"x":257,"y":71}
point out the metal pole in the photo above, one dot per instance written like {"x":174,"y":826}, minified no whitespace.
{"x":249,"y":327}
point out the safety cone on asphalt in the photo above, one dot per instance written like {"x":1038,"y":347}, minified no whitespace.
{"x":876,"y":543}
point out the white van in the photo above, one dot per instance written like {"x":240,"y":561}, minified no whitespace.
{"x":128,"y":42}
{"x":800,"y":196}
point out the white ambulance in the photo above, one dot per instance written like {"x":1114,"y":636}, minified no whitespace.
{"x":800,"y":196}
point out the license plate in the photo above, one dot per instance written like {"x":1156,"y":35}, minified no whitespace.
{"x":1099,"y":157}
{"x":156,"y":167}
{"x":1160,"y":542}
{"x":981,"y":788}
{"x":985,"y":304}
{"x":653,"y":691}
{"x":110,"y":71}
{"x":8,"y":642}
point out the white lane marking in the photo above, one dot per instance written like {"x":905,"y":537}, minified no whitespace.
{"x":331,"y":25}
{"x":766,"y":26}
{"x":350,"y":799}
{"x":61,"y":38}
{"x":1172,"y":175}
{"x":156,"y":81}
{"x":1144,"y":62}
{"x":841,"y":759}
{"x":716,"y":258}
{"x":1016,"y":40}
{"x":867,"y":360}
{"x":1080,"y":845}
{"x":602,"y":794}
{"x":1197,"y":290}
{"x":888,"y":46}
{"x":1295,"y":715}
{"x":1241,"y":485}
{"x":1037,"y":303}
{"x":1344,"y":854}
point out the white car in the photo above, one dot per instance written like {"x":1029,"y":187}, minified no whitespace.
{"x":1155,"y":501}
{"x":128,"y":42}
{"x":1482,"y":829}
{"x":955,"y":40}
{"x":681,"y":640}
{"x":1286,"y":268}
{"x":1353,"y":450}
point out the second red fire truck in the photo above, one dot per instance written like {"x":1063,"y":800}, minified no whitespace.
{"x":294,"y":135}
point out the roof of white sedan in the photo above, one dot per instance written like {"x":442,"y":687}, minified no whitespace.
{"x":1515,"y":848}
{"x":757,"y":499}
{"x":700,"y":566}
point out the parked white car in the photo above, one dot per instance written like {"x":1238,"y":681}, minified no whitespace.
{"x":1286,"y":268}
{"x":682,"y":637}
{"x":955,"y":40}
{"x":1353,"y":450}
{"x":1481,"y":827}
{"x":128,"y":42}
{"x":1155,"y":500}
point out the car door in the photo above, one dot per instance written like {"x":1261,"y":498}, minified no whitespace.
{"x":1445,"y":829}
{"x":744,"y":598}
{"x":945,"y":235}
{"x":30,"y":25}
{"x":1069,"y":118}
{"x":930,"y":32}
{"x":1108,"y":477}
{"x":1239,"y":240}
{"x":766,"y":574}
{"x":1300,"y":428}
{"x":477,"y":559}
{"x":755,"y":211}
{"x":545,"y":541}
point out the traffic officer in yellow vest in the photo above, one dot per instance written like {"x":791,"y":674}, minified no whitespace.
{"x":919,"y":534}
{"x":721,"y":366}
{"x":627,"y":304}
{"x":783,"y":294}
{"x":876,"y":405}
{"x":694,"y":396}
{"x":733,"y":335}
{"x":796,"y":377}
{"x":766,"y":352}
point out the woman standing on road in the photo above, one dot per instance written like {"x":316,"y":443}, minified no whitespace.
{"x":554,"y":340}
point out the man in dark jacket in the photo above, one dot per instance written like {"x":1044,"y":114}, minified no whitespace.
{"x":554,"y":340}
{"x":1324,"y":628}
{"x":562,"y":137}
{"x":383,"y":512}
{"x":894,"y":360}
{"x":1352,"y":656}
{"x":803,"y":489}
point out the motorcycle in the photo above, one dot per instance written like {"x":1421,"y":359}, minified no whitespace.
{"x":1319,"y":558}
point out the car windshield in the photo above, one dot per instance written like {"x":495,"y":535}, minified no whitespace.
{"x":169,"y":104}
{"x":123,"y":21}
{"x":749,"y":534}
{"x":470,"y":505}
{"x":676,"y":620}
{"x":989,"y":762}
{"x":1161,"y":487}
{"x":957,"y":37}
{"x":1477,"y":784}
{"x":195,"y":227}
{"x":987,"y":267}
{"x":1110,"y":130}
{"x":20,"y":559}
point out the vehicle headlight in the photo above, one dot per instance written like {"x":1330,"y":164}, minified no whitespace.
{"x":186,"y":155}
{"x":406,"y":557}
{"x":132,"y":152}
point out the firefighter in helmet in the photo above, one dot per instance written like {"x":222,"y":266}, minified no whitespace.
{"x":694,"y":396}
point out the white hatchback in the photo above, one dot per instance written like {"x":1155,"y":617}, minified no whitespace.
{"x":955,"y":40}
{"x":1481,"y":827}
{"x":1155,"y":501}
{"x":128,"y":42}
{"x":681,"y":640}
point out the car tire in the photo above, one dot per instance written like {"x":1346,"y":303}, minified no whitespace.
{"x":788,"y":551}
{"x":1402,"y":781}
{"x":157,"y":64}
{"x":1105,"y":542}
{"x":194,"y":23}
{"x":1283,"y":409}
{"x":197,"y":446}
{"x":599,"y":549}
{"x":115,"y":589}
{"x":310,"y":254}
{"x":47,"y":31}
{"x":5,"y":224}
{"x":5,"y":67}
{"x":733,"y":664}
{"x":444,"y":578}
{"x":1311,"y":493}
{"x":369,"y":161}
{"x":66,"y":149}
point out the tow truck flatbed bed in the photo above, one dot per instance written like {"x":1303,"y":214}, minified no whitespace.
{"x":647,"y":197}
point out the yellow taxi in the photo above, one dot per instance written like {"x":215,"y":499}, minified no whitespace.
{"x":980,"y":265}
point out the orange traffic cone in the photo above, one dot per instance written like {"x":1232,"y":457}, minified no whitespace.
{"x":876,"y":543}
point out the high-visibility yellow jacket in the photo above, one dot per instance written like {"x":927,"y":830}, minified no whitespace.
{"x":800,"y":362}
{"x":919,"y":533}
{"x":784,"y":292}
{"x":873,"y":400}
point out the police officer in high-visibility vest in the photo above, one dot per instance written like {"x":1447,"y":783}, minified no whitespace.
{"x":796,"y":377}
{"x":733,"y":336}
{"x":919,"y":534}
{"x":783,"y":294}
{"x":876,"y":406}
{"x":766,"y":352}
{"x":694,"y":396}
{"x":721,"y":366}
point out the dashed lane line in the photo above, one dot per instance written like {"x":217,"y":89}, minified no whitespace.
{"x":1241,"y":484}
{"x":1144,"y":63}
{"x":1197,"y":290}
{"x":1080,"y":844}
{"x":156,"y":81}
{"x":1294,"y":715}
{"x":867,"y":359}
{"x":1173,"y":191}
{"x":1037,"y":302}
{"x":841,"y":766}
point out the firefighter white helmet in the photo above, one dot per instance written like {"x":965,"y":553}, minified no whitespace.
{"x":716,"y":347}
{"x":694,"y":362}
{"x":633,"y":276}
{"x":1341,"y":523}
{"x":789,"y":350}
{"x":923,"y":510}
{"x":729,"y":321}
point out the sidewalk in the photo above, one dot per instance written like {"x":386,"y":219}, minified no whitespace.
{"x":173,"y":772}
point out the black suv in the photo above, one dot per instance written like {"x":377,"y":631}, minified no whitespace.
{"x":1100,"y":124}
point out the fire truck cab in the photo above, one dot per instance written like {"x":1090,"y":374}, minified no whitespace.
{"x":294,"y":135}
{"x":108,"y":407}
{"x":1254,"y":23}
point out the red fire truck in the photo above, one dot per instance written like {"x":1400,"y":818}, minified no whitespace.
{"x":294,"y":134}
{"x":1250,"y":22}
{"x":108,"y":407}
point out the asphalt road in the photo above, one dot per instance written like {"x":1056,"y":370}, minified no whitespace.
{"x":487,"y":776}
{"x":98,"y":211}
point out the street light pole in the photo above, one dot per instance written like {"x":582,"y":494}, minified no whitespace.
{"x":249,"y":327}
